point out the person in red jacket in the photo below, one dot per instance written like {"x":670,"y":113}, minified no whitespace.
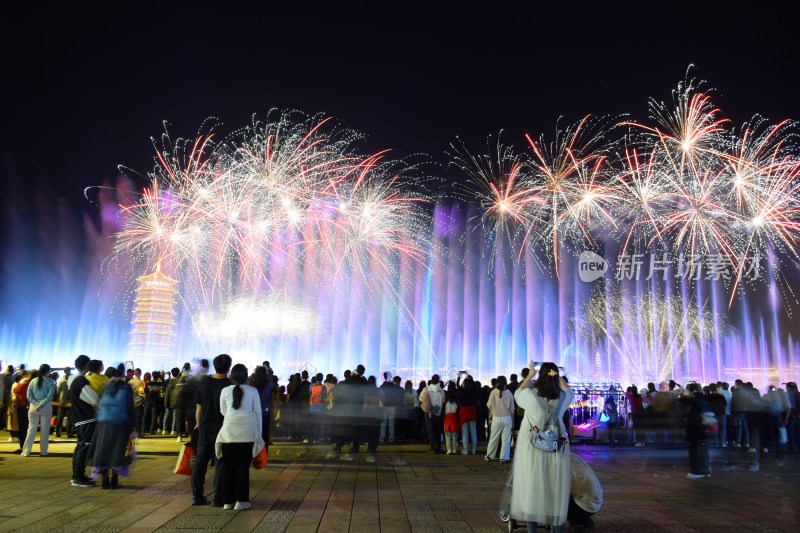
{"x":316,"y":408}
{"x":19,"y":398}
{"x":636,"y":410}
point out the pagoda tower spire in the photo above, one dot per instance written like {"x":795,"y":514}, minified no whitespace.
{"x":153,"y":323}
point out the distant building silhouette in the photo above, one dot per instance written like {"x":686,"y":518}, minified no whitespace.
{"x":153,"y":324}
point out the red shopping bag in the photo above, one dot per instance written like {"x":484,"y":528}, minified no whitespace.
{"x":186,"y":460}
{"x":261,"y":460}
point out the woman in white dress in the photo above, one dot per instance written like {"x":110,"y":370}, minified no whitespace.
{"x":240,"y":439}
{"x":541,"y":483}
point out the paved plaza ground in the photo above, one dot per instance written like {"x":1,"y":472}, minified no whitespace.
{"x":408,"y":489}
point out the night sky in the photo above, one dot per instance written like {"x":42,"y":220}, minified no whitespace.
{"x":85,"y":88}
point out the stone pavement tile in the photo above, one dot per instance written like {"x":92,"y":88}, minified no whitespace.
{"x":159,"y":517}
{"x":481,"y":520}
{"x":365,"y":526}
{"x":273,"y":521}
{"x":97,"y":518}
{"x":408,"y":490}
{"x":400,"y":523}
{"x":423,"y":521}
{"x":454,"y":525}
{"x":336,"y":526}
{"x":442,"y":504}
{"x":395,"y":528}
{"x":364,"y":517}
{"x":204,"y":521}
{"x":101,"y":529}
{"x":301,"y":528}
{"x":426,"y":529}
{"x":649,"y":518}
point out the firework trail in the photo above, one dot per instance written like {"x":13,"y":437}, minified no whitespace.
{"x":686,"y":183}
{"x":286,"y":198}
{"x":652,"y":342}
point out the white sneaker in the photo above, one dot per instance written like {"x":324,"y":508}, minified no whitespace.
{"x":724,"y":444}
{"x":754,"y":468}
{"x":10,"y":439}
{"x":694,"y":476}
{"x":370,"y":458}
{"x":349,"y":458}
{"x":173,"y":434}
{"x":751,"y":450}
{"x":242,"y":506}
{"x":178,"y":439}
{"x":228,"y":507}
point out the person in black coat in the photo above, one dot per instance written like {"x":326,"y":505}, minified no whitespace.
{"x":696,"y":430}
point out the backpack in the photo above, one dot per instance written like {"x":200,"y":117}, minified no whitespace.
{"x":544,"y":438}
{"x":113,"y":408}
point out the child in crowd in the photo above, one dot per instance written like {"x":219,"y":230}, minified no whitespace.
{"x":95,"y":376}
{"x":451,"y":425}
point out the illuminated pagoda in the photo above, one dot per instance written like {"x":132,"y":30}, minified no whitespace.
{"x":153,"y":323}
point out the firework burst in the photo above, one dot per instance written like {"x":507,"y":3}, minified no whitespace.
{"x":233,"y":218}
{"x":686,"y":183}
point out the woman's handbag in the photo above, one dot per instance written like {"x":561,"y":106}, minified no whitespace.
{"x":710,"y":422}
{"x":547,"y":440}
{"x":261,"y":460}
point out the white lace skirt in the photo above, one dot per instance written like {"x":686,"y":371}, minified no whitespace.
{"x":540,"y":486}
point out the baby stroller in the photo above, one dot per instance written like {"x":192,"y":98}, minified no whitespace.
{"x":586,"y":498}
{"x":505,"y":508}
{"x":505,"y":505}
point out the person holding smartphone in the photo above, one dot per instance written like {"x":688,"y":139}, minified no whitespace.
{"x":541,"y":486}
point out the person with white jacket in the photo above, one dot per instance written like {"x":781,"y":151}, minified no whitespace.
{"x":501,"y":411}
{"x":432,"y":401}
{"x":239,"y":439}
